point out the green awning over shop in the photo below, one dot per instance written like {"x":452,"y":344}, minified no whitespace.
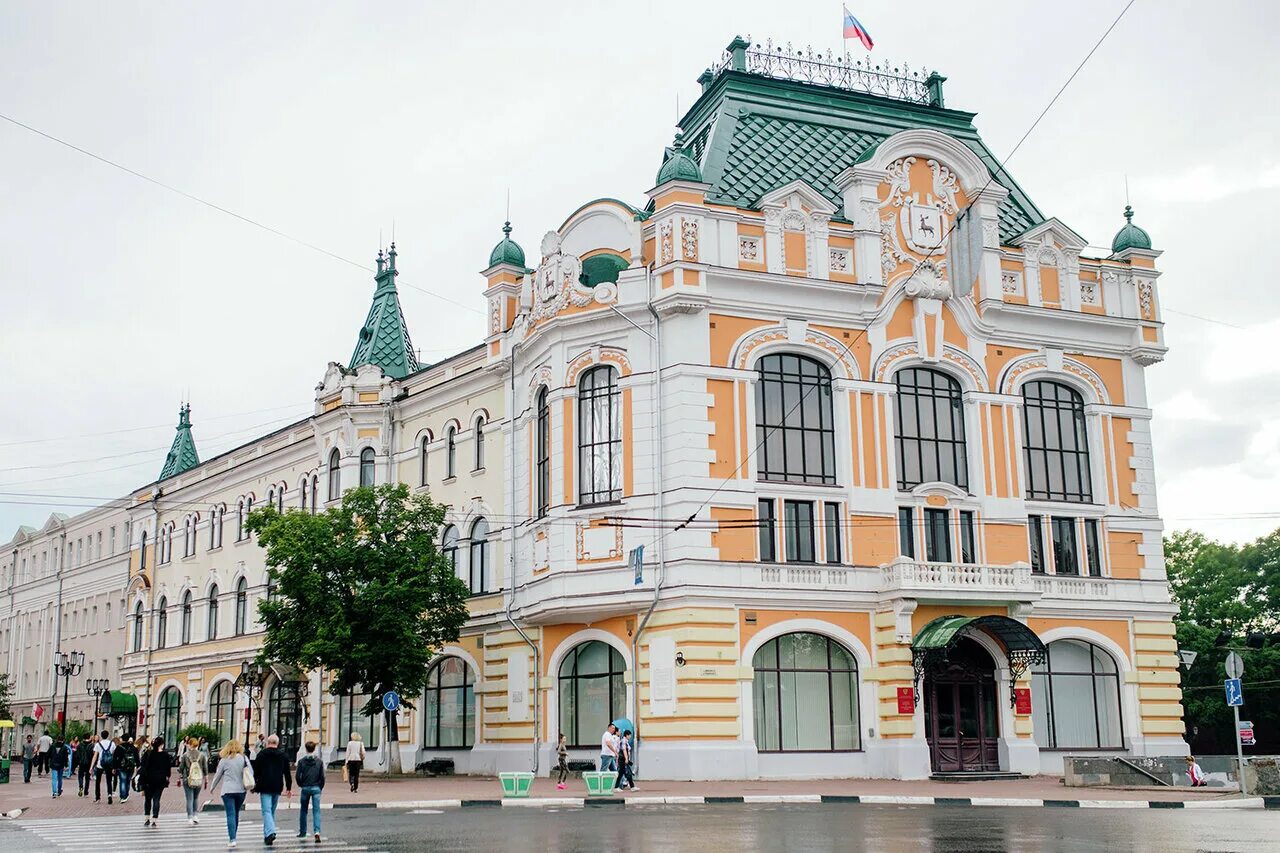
{"x":943,"y":632}
{"x":115,"y":702}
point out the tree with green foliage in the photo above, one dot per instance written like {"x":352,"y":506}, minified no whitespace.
{"x":1234,"y":588}
{"x":200,"y":730}
{"x":6,"y":696}
{"x":361,"y":591}
{"x":75,"y":729}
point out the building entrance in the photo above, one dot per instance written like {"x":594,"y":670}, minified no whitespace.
{"x":962,"y":720}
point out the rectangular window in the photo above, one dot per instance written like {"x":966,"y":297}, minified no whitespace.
{"x":831,"y":533}
{"x":1065,"y":556}
{"x":768,"y":531}
{"x":937,"y":535}
{"x":967,"y":552}
{"x":798,"y":520}
{"x":907,"y":531}
{"x":1092,"y":550}
{"x":1036,"y":538}
{"x":113,"y":540}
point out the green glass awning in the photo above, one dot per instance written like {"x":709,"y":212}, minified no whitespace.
{"x":113,"y":702}
{"x":945,"y":631}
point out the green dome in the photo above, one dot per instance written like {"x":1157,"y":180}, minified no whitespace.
{"x":678,"y":166}
{"x":508,"y":251}
{"x":1130,"y":236}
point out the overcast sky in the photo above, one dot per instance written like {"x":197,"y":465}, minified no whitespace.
{"x":335,"y":123}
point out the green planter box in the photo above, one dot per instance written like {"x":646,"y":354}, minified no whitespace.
{"x":516,"y":785}
{"x":599,"y":784}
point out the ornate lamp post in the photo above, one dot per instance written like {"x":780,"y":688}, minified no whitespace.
{"x":67,"y":665}
{"x":250,"y":681}
{"x":96,"y":687}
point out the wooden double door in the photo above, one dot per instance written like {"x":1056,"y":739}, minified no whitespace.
{"x":962,"y":719}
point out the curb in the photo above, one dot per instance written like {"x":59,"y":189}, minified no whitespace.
{"x":1272,"y":803}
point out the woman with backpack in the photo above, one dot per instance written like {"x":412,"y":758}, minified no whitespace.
{"x":236,"y":777}
{"x":193,"y":767}
{"x":154,"y":777}
{"x":58,"y":761}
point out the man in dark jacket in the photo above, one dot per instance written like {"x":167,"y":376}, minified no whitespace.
{"x":310,"y":775}
{"x":271,"y":778}
{"x":82,"y":759}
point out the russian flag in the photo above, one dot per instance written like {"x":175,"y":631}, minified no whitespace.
{"x":853,"y":29}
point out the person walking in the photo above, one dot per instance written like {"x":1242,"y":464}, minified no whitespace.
{"x":609,"y":749}
{"x":258,"y":746}
{"x":83,"y":762}
{"x":310,"y":773}
{"x":562,"y":754}
{"x":355,"y":761}
{"x":271,"y":778}
{"x":103,"y":765}
{"x":28,"y":758}
{"x":236,"y":777}
{"x":193,"y":768}
{"x":154,"y":773}
{"x":43,"y":745}
{"x":625,"y":779}
{"x":126,"y":766}
{"x":57,"y":760}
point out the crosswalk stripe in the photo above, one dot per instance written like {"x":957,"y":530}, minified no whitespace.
{"x":76,"y":836}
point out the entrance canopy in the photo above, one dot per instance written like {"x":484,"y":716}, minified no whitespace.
{"x":931,"y":646}
{"x":116,"y":703}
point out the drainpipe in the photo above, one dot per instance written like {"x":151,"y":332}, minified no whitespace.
{"x":511,"y":571}
{"x":57,"y":631}
{"x":660,"y":572}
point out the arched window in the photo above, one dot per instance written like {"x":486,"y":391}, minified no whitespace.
{"x":286,"y":712}
{"x":241,"y":513}
{"x":480,"y":556}
{"x":930,"y":438}
{"x":162,"y":623}
{"x":137,"y":627}
{"x":280,"y":498}
{"x":302,"y":492}
{"x":211,"y":627}
{"x":169,"y":716}
{"x":805,"y":695}
{"x":242,"y":606}
{"x":449,"y":713}
{"x":422,"y":460}
{"x":450,"y":452}
{"x":599,"y":436}
{"x":479,"y":444}
{"x":222,"y":718}
{"x":186,"y":618}
{"x":592,"y":692}
{"x":271,"y":495}
{"x":1057,"y":443}
{"x":215,"y":527}
{"x":366,"y":467}
{"x":142,"y":552}
{"x":335,"y":475}
{"x":189,"y":536}
{"x":315,"y":492}
{"x":795,"y":427}
{"x":542,"y":453}
{"x":1076,"y":698}
{"x":449,"y":546}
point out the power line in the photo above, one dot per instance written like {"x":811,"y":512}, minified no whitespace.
{"x":168,"y":425}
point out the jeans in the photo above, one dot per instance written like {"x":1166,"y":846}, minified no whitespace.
{"x":26,"y":769}
{"x":151,"y":802}
{"x":232,"y":805}
{"x":608,"y":762}
{"x":125,"y":781}
{"x":310,"y":794}
{"x":269,"y":803}
{"x":192,"y":797}
{"x":55,"y":783}
{"x":98,"y":773}
{"x":82,"y":777}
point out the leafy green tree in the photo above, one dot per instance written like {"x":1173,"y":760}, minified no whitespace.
{"x":1223,"y":587}
{"x":361,"y":591}
{"x":200,"y":730}
{"x":6,"y":696}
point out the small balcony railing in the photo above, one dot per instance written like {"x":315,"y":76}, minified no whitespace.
{"x":1069,"y":586}
{"x":906,"y":575}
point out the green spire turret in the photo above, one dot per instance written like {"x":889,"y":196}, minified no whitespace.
{"x":508,"y":251}
{"x":677,"y":165}
{"x":182,"y":455}
{"x":384,"y":337}
{"x":1130,"y":236}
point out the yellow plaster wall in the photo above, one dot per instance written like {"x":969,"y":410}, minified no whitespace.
{"x":721,"y":441}
{"x":738,"y":540}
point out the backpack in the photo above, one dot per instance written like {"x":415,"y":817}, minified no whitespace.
{"x":195,"y":773}
{"x":108,"y":756}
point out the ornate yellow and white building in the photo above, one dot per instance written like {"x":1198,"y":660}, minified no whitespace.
{"x":879,"y":425}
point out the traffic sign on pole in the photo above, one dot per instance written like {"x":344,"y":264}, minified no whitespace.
{"x":1235,"y":693}
{"x":391,"y":701}
{"x":1245,"y":729}
{"x":1235,"y":665}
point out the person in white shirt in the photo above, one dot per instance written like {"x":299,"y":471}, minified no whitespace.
{"x":355,"y":761}
{"x":42,"y":753}
{"x":609,"y":749}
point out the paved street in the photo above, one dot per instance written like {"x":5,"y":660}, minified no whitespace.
{"x":709,"y":829}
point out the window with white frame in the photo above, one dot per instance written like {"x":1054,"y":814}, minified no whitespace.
{"x":599,"y":436}
{"x":185,"y":634}
{"x":480,"y":558}
{"x":941,"y":535}
{"x":422,"y":459}
{"x":450,"y":452}
{"x":542,"y":453}
{"x":809,"y":529}
{"x":1073,"y":545}
{"x":335,"y":475}
{"x":478,"y":431}
{"x":1076,"y":698}
{"x":795,"y":424}
{"x":1056,"y":443}
{"x":366,"y":468}
{"x":930,"y":437}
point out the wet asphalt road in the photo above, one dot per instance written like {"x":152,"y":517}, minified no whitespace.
{"x":706,"y":829}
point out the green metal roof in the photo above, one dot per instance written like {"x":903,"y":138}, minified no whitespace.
{"x":507,"y":251}
{"x":943,"y":632}
{"x":752,"y":134}
{"x":599,"y":268}
{"x":182,"y":455}
{"x":118,"y":702}
{"x":1130,"y":236}
{"x":384,"y":337}
{"x":677,"y":165}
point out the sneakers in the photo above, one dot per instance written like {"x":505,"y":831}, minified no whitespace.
{"x":191,"y":821}
{"x":301,"y":835}
{"x":108,"y":799}
{"x":270,"y":839}
{"x":147,"y":822}
{"x":196,"y":821}
{"x":318,"y":838}
{"x":560,"y":786}
{"x":231,"y":845}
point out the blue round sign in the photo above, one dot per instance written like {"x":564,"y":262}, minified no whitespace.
{"x":391,"y":700}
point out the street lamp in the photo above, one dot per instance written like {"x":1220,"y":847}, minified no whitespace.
{"x":250,"y":681}
{"x":67,"y":664}
{"x":96,"y":687}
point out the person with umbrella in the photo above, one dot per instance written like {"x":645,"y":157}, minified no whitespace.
{"x":623,"y":727}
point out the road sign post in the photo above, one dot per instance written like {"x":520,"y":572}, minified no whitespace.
{"x":391,"y":701}
{"x":1235,"y":698}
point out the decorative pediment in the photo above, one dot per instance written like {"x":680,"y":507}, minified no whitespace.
{"x":1056,"y":232}
{"x":797,"y":195}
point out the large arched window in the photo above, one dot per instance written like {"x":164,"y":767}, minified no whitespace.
{"x":222,"y":718}
{"x":449,"y":715}
{"x":599,"y":436}
{"x":930,"y":437}
{"x":137,"y":627}
{"x":286,"y":714}
{"x":480,"y":556}
{"x":186,"y":618}
{"x":542,"y":454}
{"x":450,"y":452}
{"x":422,"y":460}
{"x":1057,"y":443}
{"x":795,"y":430}
{"x":366,"y":467}
{"x":352,"y":719}
{"x":335,"y":475}
{"x":162,"y":623}
{"x":806,"y":695}
{"x":169,"y":716}
{"x":211,"y":626}
{"x":242,"y":606}
{"x":592,"y":692}
{"x":449,"y":546}
{"x":1075,"y":698}
{"x":478,"y":431}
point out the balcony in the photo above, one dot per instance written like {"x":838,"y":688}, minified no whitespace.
{"x":1067,"y":586}
{"x":826,"y":577}
{"x":958,"y":581}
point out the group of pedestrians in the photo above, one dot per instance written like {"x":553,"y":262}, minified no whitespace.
{"x":268,"y":775}
{"x":101,"y":758}
{"x":616,"y":755}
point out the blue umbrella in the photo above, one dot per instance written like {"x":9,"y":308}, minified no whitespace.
{"x":624,"y":725}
